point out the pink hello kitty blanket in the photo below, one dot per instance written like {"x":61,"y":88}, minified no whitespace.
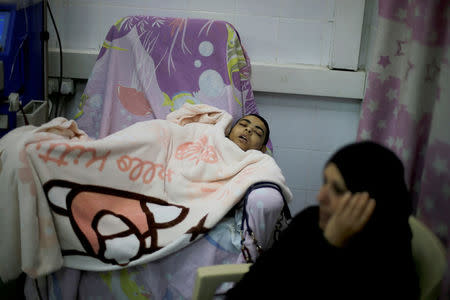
{"x":132,"y":197}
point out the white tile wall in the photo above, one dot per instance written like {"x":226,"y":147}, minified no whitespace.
{"x":369,"y":34}
{"x":304,"y":39}
{"x":230,"y":18}
{"x":259,"y":37}
{"x":307,"y":9}
{"x":300,"y":201}
{"x":305,"y":131}
{"x":266,"y":8}
{"x":284,"y":31}
{"x":326,"y":42}
{"x":220,"y":6}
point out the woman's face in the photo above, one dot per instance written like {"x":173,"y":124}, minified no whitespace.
{"x":331,"y":192}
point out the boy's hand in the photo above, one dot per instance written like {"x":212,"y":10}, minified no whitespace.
{"x":350,"y":217}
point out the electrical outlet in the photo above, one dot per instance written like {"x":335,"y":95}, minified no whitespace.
{"x":67,"y":87}
{"x":52,"y":86}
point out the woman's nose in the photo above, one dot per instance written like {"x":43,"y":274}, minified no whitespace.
{"x":248,"y":130}
{"x":322,"y":196}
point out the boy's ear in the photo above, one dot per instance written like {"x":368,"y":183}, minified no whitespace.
{"x":263,"y":149}
{"x":228,"y":129}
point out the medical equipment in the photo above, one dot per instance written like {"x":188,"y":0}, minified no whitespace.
{"x":21,"y":59}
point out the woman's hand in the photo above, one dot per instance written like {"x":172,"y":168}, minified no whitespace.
{"x":350,"y":217}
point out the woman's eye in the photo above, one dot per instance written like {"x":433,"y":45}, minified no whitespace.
{"x":338,"y":190}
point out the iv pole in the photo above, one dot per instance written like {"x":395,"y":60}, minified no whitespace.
{"x":45,"y":48}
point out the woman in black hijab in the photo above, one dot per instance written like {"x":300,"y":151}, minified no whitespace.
{"x":355,"y":245}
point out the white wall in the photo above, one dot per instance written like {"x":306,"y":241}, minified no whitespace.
{"x":305,"y":129}
{"x":283,"y":31}
{"x":291,"y":42}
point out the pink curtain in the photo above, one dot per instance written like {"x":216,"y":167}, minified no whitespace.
{"x":407,"y":103}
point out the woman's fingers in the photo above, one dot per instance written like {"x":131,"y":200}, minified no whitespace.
{"x":352,"y":213}
{"x":359,"y":203}
{"x":342,"y":205}
{"x":360,"y":210}
{"x":349,"y":205}
{"x":356,"y":209}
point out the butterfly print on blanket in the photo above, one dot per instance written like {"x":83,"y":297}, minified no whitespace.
{"x":198,"y":151}
{"x":114,"y":226}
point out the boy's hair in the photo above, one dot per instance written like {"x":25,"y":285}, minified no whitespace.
{"x":266,"y":138}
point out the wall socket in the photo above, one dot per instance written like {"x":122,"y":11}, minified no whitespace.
{"x":67,"y":86}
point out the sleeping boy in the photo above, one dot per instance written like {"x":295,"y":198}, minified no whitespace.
{"x":130,"y":181}
{"x":250,"y":132}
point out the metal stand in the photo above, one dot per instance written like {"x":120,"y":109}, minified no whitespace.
{"x":45,"y":49}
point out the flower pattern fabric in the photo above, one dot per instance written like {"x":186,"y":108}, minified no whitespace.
{"x":407,"y":103}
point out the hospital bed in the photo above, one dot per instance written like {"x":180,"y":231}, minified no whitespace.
{"x":147,"y":68}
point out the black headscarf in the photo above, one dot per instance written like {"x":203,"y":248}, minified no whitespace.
{"x":385,"y":241}
{"x":371,"y":167}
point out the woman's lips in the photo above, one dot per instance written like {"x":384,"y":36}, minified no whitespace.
{"x":324,"y":216}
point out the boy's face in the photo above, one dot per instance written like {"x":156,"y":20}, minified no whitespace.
{"x":249,"y":133}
